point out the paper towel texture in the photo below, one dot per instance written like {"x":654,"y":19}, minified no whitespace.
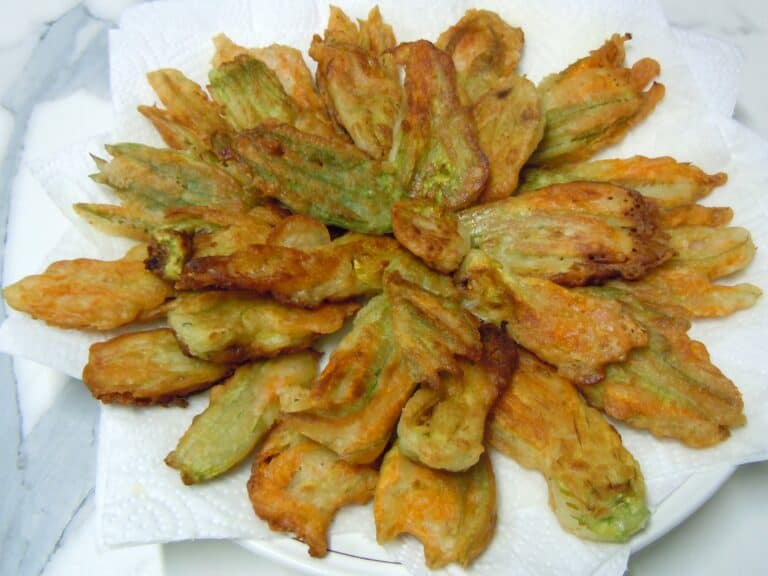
{"x":142,"y":500}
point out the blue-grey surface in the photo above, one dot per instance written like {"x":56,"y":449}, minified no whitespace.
{"x":46,"y":489}
{"x":41,"y":493}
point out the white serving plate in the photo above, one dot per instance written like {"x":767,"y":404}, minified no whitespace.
{"x":352,"y":554}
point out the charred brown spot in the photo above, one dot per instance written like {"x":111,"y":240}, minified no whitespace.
{"x":499,"y":353}
{"x":274,"y":148}
{"x":167,"y":253}
{"x":530,"y":114}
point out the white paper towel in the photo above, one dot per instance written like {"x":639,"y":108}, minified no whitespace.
{"x":142,"y":500}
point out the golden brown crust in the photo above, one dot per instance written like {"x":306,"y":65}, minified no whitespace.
{"x":612,"y":232}
{"x":453,"y":514}
{"x":89,"y":294}
{"x":148,"y":367}
{"x":260,"y":218}
{"x":190,"y":117}
{"x":359,"y":85}
{"x":445,"y":428}
{"x":510,"y":125}
{"x":430,"y":232}
{"x":691,"y":291}
{"x":299,"y":231}
{"x":485,"y":52}
{"x":696,"y":215}
{"x":361,"y":433}
{"x":596,"y":488}
{"x":670,"y":387}
{"x":668,"y":182}
{"x":436,"y":147}
{"x":350,"y":266}
{"x":577,"y":332}
{"x":714,"y":252}
{"x":297,"y":486}
{"x":232,"y":327}
{"x":594,"y":102}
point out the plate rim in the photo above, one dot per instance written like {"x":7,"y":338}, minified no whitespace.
{"x":675,"y":509}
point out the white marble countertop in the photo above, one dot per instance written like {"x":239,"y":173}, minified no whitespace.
{"x":53,"y":79}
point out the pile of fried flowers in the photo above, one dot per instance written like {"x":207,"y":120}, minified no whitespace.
{"x":503,"y":290}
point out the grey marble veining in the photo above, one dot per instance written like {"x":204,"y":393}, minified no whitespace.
{"x":55,"y":471}
{"x":49,"y":74}
{"x":738,"y":25}
{"x":727,"y":18}
{"x":47,"y":476}
{"x":743,"y":23}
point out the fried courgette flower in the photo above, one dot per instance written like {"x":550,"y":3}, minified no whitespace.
{"x":240,"y":413}
{"x":485,"y":52}
{"x":132,"y":221}
{"x":684,"y":287}
{"x":90,"y":294}
{"x":715,"y":252}
{"x":453,"y":514}
{"x":155,"y":179}
{"x":412,"y":333}
{"x":668,"y":182}
{"x":510,"y":125}
{"x":506,"y":109}
{"x":576,"y":332}
{"x":354,"y":405}
{"x":596,"y":488}
{"x":359,"y":83}
{"x":249,"y":93}
{"x":351,"y":265}
{"x":691,"y":293}
{"x":181,"y":234}
{"x":289,"y":67}
{"x":572,"y":234}
{"x":444,"y":427}
{"x":234,"y":326}
{"x":297,"y":486}
{"x":147,"y":368}
{"x":431,"y":232}
{"x":436,"y":149}
{"x":594,"y":102}
{"x":195,"y":232}
{"x":669,"y":388}
{"x":190,"y":118}
{"x":326,"y":178}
